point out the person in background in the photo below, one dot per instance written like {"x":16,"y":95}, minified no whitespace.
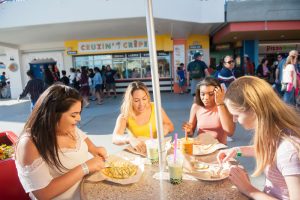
{"x":34,"y":87}
{"x":137,"y":115}
{"x":226,"y":75}
{"x":263,"y":70}
{"x":103,"y":71}
{"x":52,"y":154}
{"x":278,"y":74}
{"x":3,"y":79}
{"x":256,"y":106}
{"x":72,"y":77}
{"x":97,"y":81}
{"x":208,"y":113}
{"x":110,"y":81}
{"x":197,"y":70}
{"x":48,"y":77}
{"x":181,"y":77}
{"x":289,"y":77}
{"x":84,"y":86}
{"x":64,"y":79}
{"x":91,"y":75}
{"x":248,"y":66}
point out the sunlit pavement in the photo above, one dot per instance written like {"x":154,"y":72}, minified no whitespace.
{"x":99,"y":120}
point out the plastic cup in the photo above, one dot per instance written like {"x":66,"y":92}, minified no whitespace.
{"x":175,"y":168}
{"x":186,"y":146}
{"x":152,"y":150}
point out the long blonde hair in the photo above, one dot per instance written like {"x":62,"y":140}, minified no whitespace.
{"x":126,"y":107}
{"x":276,"y":121}
{"x":290,"y":60}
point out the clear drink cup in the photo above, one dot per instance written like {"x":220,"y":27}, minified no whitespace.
{"x":152,"y":150}
{"x":175,"y":168}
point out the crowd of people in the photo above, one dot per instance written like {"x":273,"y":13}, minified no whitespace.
{"x":93,"y":84}
{"x":51,"y":155}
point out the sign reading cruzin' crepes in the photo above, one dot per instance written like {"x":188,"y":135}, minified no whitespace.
{"x":113,"y":45}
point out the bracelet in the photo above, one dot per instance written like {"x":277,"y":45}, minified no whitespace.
{"x":238,"y":152}
{"x":221,"y":104}
{"x":85,"y":169}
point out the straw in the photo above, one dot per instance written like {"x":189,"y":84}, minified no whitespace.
{"x":175,"y":147}
{"x":151,"y":133}
{"x":186,"y":136}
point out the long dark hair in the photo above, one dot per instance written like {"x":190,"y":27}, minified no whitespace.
{"x":207,"y":81}
{"x":43,"y":120}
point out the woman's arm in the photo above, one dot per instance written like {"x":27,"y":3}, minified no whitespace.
{"x":193,"y":119}
{"x":27,"y":154}
{"x":239,"y":177}
{"x":227,"y":154}
{"x":225,"y":117}
{"x":119,"y":138}
{"x":293,"y":184}
{"x":167,"y":123}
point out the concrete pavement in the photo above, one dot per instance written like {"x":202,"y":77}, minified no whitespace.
{"x":99,"y":121}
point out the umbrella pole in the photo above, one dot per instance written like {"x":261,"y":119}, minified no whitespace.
{"x":155,"y":84}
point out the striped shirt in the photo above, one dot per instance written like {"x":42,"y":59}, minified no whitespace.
{"x":287,"y":163}
{"x":226,"y":76}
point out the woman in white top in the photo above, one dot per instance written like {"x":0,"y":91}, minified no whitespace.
{"x":52,"y":153}
{"x":289,"y":76}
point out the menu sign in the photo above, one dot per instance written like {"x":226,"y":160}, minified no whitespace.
{"x":133,"y":55}
{"x":113,"y":45}
{"x":118,"y":55}
{"x":280,"y":48}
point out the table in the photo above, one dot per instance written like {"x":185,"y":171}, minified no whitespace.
{"x":150,"y":188}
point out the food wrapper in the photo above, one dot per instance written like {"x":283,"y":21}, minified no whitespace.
{"x":210,"y":172}
{"x":130,"y":149}
{"x":206,"y":144}
{"x":101,"y":175}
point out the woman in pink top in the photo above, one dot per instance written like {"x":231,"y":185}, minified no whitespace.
{"x":255,"y":105}
{"x":209,"y":114}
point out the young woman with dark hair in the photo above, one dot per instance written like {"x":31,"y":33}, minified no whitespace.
{"x":52,"y":153}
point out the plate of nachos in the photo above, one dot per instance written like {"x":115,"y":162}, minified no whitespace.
{"x":119,"y":170}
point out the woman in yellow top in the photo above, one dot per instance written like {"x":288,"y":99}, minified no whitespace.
{"x":137,"y":115}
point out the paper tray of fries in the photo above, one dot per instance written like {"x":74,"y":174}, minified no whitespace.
{"x":118,"y":170}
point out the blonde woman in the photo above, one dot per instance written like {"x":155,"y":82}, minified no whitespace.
{"x":289,"y":76}
{"x":137,"y":114}
{"x":255,"y":105}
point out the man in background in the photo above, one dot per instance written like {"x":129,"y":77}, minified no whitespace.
{"x":34,"y":87}
{"x":197,"y":70}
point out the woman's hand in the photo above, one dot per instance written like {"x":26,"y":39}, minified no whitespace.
{"x":101,"y":152}
{"x":187,"y":127}
{"x":225,"y":155}
{"x":219,"y":95}
{"x":95,"y":164}
{"x":137,"y":144}
{"x":141,"y":147}
{"x":240,"y":178}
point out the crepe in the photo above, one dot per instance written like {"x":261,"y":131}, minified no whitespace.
{"x":120,"y":169}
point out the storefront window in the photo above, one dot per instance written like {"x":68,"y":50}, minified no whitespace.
{"x":128,"y":66}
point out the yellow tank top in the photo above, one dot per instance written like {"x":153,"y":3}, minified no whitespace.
{"x":143,"y":130}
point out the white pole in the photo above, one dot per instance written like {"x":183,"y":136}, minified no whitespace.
{"x":155,"y":84}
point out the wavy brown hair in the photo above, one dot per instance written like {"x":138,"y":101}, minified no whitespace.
{"x":276,"y":121}
{"x":43,"y":120}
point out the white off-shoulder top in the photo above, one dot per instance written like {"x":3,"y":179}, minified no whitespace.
{"x":39,"y":174}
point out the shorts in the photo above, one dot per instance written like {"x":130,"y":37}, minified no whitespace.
{"x":194,"y":83}
{"x":98,"y":87}
{"x":110,"y":85}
